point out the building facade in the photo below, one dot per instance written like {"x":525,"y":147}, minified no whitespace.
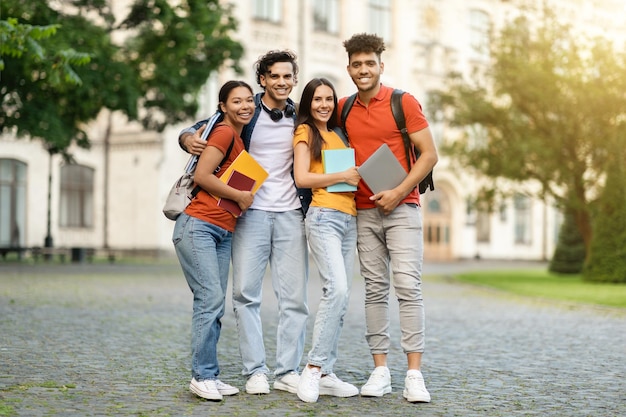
{"x":112,"y":196}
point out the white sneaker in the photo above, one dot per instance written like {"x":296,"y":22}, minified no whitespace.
{"x":205,"y":389}
{"x":257,"y":384}
{"x":288,"y":382}
{"x":331,"y":385}
{"x":378,"y":384}
{"x":414,"y":388}
{"x":309,"y":385}
{"x":225,"y":389}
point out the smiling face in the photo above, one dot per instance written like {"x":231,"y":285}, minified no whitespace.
{"x":322,"y":106}
{"x":239,"y":106}
{"x":365,"y":70}
{"x":277,"y":83}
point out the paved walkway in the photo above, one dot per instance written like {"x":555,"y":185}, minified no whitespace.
{"x":113,"y":340}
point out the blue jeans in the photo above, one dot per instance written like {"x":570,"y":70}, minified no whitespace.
{"x":332,"y":238}
{"x":277,"y":238}
{"x":203,"y":251}
{"x":396,"y":240}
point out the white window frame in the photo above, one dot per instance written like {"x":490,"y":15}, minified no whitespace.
{"x":326,"y":16}
{"x":76,"y":196}
{"x":479,"y":30}
{"x":380,"y":18}
{"x":270,"y":10}
{"x":522,"y":219}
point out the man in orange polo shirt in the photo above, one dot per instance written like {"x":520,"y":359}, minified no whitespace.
{"x":389,"y":223}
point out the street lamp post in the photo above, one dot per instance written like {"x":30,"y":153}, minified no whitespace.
{"x":48,"y":241}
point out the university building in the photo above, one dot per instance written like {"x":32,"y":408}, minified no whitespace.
{"x":112,"y":196}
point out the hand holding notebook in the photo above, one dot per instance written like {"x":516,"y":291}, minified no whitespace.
{"x":338,"y":160}
{"x":241,"y":182}
{"x":249,"y":174}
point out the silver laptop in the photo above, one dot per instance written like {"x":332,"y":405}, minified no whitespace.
{"x":382,"y":170}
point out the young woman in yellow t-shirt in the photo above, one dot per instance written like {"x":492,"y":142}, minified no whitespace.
{"x":331,"y":233}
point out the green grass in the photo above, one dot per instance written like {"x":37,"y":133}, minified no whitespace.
{"x":543,"y":284}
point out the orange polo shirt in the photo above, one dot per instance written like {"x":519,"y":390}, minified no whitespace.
{"x":370,"y":126}
{"x":204,"y":206}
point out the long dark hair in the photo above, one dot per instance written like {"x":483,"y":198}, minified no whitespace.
{"x":316,"y":141}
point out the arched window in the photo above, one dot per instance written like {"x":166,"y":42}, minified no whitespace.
{"x":76,"y":196}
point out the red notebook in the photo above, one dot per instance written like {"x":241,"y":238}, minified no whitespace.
{"x":241,"y":182}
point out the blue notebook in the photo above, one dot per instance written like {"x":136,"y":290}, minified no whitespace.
{"x":337,"y":160}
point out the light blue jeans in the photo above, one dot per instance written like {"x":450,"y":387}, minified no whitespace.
{"x":203,"y":251}
{"x":332,"y":239}
{"x":396,"y":240}
{"x":277,"y":238}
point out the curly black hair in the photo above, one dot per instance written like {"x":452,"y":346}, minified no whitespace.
{"x":364,"y":42}
{"x":264,"y":63}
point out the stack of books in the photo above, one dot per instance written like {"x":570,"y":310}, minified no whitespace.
{"x":244,"y":174}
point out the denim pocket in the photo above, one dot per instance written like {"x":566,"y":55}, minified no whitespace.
{"x":179,"y":228}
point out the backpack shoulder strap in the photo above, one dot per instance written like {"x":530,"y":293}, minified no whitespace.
{"x":340,"y":132}
{"x":347,"y":106}
{"x":225,"y":158}
{"x":409,"y":148}
{"x":197,"y":188}
{"x":398,"y":115}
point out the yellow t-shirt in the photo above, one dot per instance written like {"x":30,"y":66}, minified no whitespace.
{"x":343,"y":202}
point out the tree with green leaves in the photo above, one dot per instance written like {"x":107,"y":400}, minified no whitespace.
{"x":36,"y":106}
{"x":547,"y":112}
{"x":149,"y":64}
{"x":569,"y":255}
{"x":176,"y":45}
{"x":22,"y":41}
{"x":607,"y":255}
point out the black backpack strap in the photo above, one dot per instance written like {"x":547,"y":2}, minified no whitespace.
{"x":347,"y":106}
{"x":340,"y":132}
{"x":398,"y":115}
{"x":225,"y":158}
{"x":409,"y":149}
{"x":197,"y":188}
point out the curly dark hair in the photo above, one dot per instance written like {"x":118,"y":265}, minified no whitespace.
{"x":364,"y":42}
{"x":264,"y":63}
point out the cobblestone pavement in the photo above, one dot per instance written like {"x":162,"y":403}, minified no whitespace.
{"x":113,"y":340}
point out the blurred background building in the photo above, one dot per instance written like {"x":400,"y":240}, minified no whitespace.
{"x":426,"y":39}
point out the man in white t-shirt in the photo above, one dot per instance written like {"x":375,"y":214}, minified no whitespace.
{"x":270,"y":231}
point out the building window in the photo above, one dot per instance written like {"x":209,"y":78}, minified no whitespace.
{"x":269,"y":10}
{"x":483,"y":226}
{"x":12,"y":203}
{"x":521,"y":204}
{"x":76,"y":196}
{"x":380,"y":18}
{"x":479,"y":28}
{"x":434,"y":206}
{"x":326,"y":16}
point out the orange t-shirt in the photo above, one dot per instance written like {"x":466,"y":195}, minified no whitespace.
{"x":370,"y":126}
{"x":204,"y":206}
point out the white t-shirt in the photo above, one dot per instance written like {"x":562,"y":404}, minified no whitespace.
{"x":271,"y":145}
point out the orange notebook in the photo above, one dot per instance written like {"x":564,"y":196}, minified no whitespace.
{"x":241,"y":182}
